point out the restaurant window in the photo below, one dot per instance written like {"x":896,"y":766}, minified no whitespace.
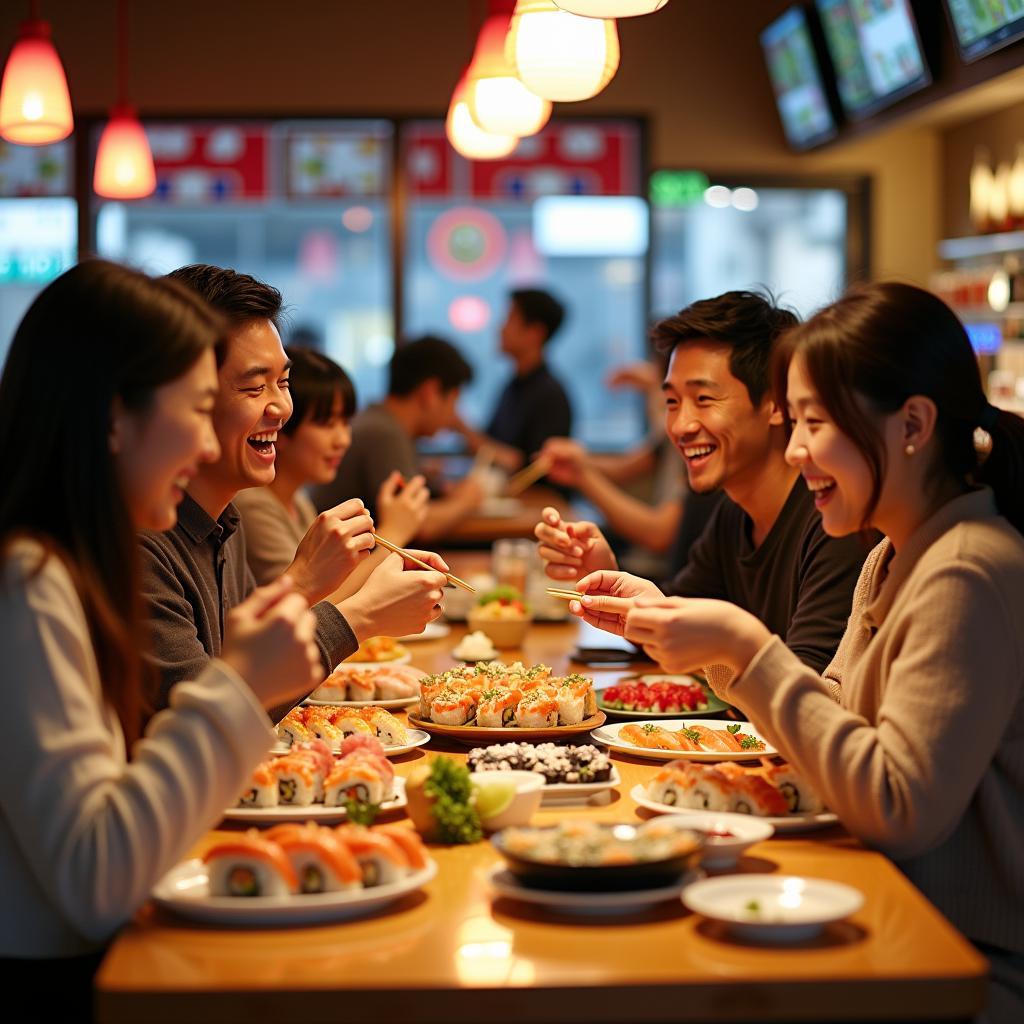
{"x":564,"y":212}
{"x":38,"y":226}
{"x":802,"y":242}
{"x":303,"y":205}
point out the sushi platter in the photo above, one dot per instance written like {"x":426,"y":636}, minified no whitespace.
{"x":473,"y":735}
{"x":655,"y":695}
{"x":414,"y":738}
{"x":659,"y":740}
{"x":360,"y":685}
{"x":317,"y":812}
{"x":572,"y":774}
{"x":396,"y":702}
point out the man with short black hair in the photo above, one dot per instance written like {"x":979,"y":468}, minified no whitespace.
{"x":425,"y":378}
{"x":195,"y":573}
{"x":764,"y":548}
{"x":533,"y":406}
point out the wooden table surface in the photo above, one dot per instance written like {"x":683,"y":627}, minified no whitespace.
{"x":482,"y":529}
{"x":452,"y":953}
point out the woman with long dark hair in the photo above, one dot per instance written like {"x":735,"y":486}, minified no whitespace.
{"x":105,"y":407}
{"x":922,"y":755}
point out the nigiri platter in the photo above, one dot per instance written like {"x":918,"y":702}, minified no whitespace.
{"x":689,"y":739}
{"x":298,"y":874}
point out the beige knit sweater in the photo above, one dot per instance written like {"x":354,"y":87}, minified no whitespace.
{"x":923,"y":756}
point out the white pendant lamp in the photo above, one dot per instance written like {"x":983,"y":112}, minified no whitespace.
{"x":35,"y":107}
{"x":561,"y":56}
{"x":124,"y":161}
{"x":611,"y":8}
{"x":467,"y":137}
{"x":497,"y":100}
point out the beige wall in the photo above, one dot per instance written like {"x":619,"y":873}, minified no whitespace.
{"x":694,"y":70}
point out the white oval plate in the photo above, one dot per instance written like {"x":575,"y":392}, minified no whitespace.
{"x":312,"y":812}
{"x":417,"y":738}
{"x":371,"y":666}
{"x":773,"y":908}
{"x":504,"y":883}
{"x":609,"y":736}
{"x":434,"y":631}
{"x":562,"y":792}
{"x":786,"y":823}
{"x":185,"y":890}
{"x":395,"y":702}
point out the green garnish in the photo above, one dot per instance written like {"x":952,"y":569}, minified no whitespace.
{"x":361,"y":813}
{"x":751,"y":743}
{"x":691,"y":734}
{"x":752,"y":906}
{"x":648,"y":728}
{"x":450,"y":789}
{"x":733,"y":728}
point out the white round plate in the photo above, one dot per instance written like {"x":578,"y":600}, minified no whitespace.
{"x":434,"y":631}
{"x":417,"y":738}
{"x":773,"y":908}
{"x":372,"y":666}
{"x":504,"y":883}
{"x":788,"y":823}
{"x":311,"y":812}
{"x":396,"y":702}
{"x":185,"y":890}
{"x":609,"y":736}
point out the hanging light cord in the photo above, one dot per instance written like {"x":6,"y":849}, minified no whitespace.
{"x":122,"y":50}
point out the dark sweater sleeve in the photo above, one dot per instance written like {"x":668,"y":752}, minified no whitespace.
{"x":549,"y":416}
{"x":174,"y":644}
{"x":702,"y":574}
{"x":829,"y":570}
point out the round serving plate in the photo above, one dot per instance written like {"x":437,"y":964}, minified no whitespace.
{"x":310,"y":812}
{"x":715,"y":705}
{"x":372,"y":666}
{"x":395,"y":702}
{"x":609,"y":736}
{"x":416,"y":737}
{"x":471,"y":735}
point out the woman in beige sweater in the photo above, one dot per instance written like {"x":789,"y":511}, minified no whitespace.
{"x":111,"y":375}
{"x":923,"y":755}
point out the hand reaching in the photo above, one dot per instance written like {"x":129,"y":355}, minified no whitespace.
{"x":571,"y":550}
{"x":566,"y":460}
{"x":610,"y":597}
{"x":333,"y":546}
{"x":402,"y":507}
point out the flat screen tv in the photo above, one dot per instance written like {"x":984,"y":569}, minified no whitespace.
{"x":795,"y":71}
{"x":981,"y":26}
{"x":876,"y":51}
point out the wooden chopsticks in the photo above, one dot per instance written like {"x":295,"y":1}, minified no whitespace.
{"x":453,"y":581}
{"x":518,"y":482}
{"x":610,"y":603}
{"x":565,"y":595}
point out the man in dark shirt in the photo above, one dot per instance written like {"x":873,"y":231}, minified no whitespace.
{"x":195,"y":573}
{"x":534,"y":405}
{"x":763,"y":548}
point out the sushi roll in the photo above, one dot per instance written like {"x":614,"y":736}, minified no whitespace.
{"x":702,"y":787}
{"x":570,"y":704}
{"x":409,"y":840}
{"x":537,"y":710}
{"x":430,"y":687}
{"x":396,"y":682}
{"x":322,"y":728}
{"x":356,"y":778}
{"x":451,"y":708}
{"x":292,"y":729}
{"x":385,"y":726}
{"x":262,"y":789}
{"x":752,"y":794}
{"x":249,"y":865}
{"x":584,"y":686}
{"x":334,"y":687}
{"x":800,"y":796}
{"x":361,"y":686}
{"x":381,"y":859}
{"x":351,"y":722}
{"x":321,"y":862}
{"x":497,"y":708}
{"x":318,"y":751}
{"x":298,"y":780}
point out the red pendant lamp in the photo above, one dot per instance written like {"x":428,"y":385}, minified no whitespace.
{"x":35,"y":108}
{"x":124,"y":161}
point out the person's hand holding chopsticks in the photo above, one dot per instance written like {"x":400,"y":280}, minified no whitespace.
{"x":339,"y":539}
{"x":608,"y":597}
{"x":402,"y":506}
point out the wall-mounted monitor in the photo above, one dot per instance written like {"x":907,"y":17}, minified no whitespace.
{"x":981,"y":26}
{"x":876,"y":51}
{"x":795,"y":71}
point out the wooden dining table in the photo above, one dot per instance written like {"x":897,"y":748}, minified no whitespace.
{"x":454,"y":952}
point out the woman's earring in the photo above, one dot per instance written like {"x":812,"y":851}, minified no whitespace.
{"x":910,"y":449}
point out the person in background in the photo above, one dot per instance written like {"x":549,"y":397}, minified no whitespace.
{"x":113,"y":375}
{"x":533,"y":406}
{"x":310,"y":447}
{"x":425,"y":378}
{"x":923,"y":755}
{"x":763,"y":548}
{"x":196,"y":572}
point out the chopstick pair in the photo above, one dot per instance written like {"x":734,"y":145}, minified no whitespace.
{"x":575,"y":595}
{"x":518,"y":482}
{"x":453,"y":580}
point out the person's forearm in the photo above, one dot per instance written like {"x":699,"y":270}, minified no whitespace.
{"x":359,"y":575}
{"x":652,"y":527}
{"x":443,"y":514}
{"x":624,"y":467}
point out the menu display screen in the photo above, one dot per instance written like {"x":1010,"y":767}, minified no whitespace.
{"x":982,"y":26}
{"x":796,"y":77}
{"x":876,"y":51}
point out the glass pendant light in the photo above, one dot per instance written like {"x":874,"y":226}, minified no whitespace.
{"x":467,"y":137}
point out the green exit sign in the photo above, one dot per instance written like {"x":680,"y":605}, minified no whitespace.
{"x":678,"y":188}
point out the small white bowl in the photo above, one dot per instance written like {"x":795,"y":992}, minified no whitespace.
{"x":722,"y":851}
{"x":771,"y":908}
{"x":529,"y":791}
